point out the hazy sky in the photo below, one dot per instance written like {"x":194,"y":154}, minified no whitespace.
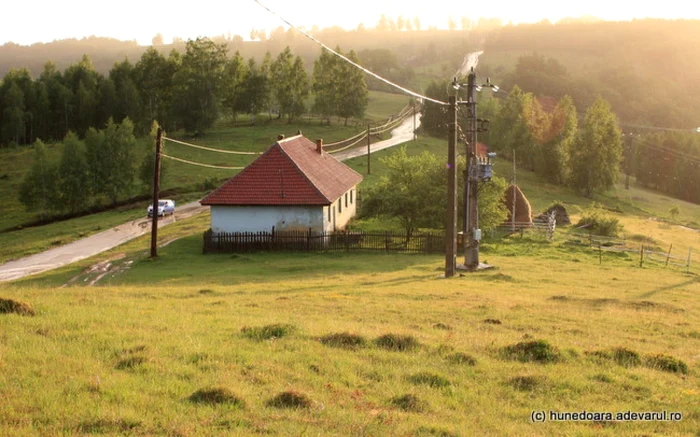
{"x":27,"y":22}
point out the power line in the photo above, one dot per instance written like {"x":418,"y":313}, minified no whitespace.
{"x":200,"y":164}
{"x":356,"y":65}
{"x":233,"y":152}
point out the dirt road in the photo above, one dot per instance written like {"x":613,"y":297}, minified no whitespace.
{"x":89,"y":246}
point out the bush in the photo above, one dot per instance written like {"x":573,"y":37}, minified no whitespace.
{"x":394,"y":342}
{"x":268,"y":332}
{"x":538,"y":350}
{"x":600,"y":222}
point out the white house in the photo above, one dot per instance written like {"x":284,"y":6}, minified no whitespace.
{"x":294,"y":185}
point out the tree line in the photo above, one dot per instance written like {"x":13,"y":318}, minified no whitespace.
{"x":585,"y":156}
{"x":189,"y":90}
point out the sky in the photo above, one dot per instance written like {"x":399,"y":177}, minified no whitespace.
{"x":27,"y":22}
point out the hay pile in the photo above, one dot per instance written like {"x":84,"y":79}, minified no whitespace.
{"x":523,"y":210}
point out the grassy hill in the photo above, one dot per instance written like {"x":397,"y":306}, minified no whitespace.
{"x":359,"y":344}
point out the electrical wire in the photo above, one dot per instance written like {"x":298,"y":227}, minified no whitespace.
{"x":199,"y":164}
{"x":356,"y":65}
{"x":233,"y":152}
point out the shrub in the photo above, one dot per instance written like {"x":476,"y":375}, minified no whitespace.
{"x":409,"y":402}
{"x":462,"y":358}
{"x":394,"y":342}
{"x":599,"y":222}
{"x":537,"y":350}
{"x":430,"y":379}
{"x":666,"y":363}
{"x":290,"y":399}
{"x":267,"y":332}
{"x":344,"y":340}
{"x":9,"y":306}
{"x":216,"y":395}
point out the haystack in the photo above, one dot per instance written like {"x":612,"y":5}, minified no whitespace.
{"x":560,"y":214}
{"x":523,"y":210}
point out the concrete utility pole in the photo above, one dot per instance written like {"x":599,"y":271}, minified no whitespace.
{"x":471,"y":182}
{"x":451,"y":236}
{"x":156,"y":191}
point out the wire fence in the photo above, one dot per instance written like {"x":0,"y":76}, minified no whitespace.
{"x":310,"y":241}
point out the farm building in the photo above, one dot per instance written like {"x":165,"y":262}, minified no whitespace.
{"x":293,"y":186}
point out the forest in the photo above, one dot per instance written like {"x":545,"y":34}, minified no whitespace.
{"x":646,"y":70}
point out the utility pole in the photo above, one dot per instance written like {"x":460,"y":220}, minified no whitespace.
{"x":156,"y":189}
{"x":451,"y":240}
{"x":628,"y":157}
{"x":512,"y":211}
{"x":413,"y":107}
{"x":369,"y":141}
{"x":471,"y":182}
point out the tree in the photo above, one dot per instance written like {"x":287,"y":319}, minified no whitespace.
{"x":597,"y":151}
{"x":13,"y":115}
{"x":256,"y":88}
{"x":199,"y":84}
{"x":289,"y":84}
{"x":110,"y":156}
{"x":73,"y":175}
{"x":82,"y":80}
{"x":414,"y":191}
{"x":38,"y":189}
{"x":234,"y":80}
{"x":153,"y":75}
{"x":556,"y":150}
{"x":410,"y":192}
{"x":352,"y":92}
{"x":326,"y":81}
{"x":128,"y":97}
{"x":434,"y":118}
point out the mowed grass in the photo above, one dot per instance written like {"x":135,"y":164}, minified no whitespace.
{"x":353,"y":344}
{"x":350,"y":344}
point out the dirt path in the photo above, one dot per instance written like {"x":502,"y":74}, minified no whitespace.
{"x":402,"y":134}
{"x":89,"y":246}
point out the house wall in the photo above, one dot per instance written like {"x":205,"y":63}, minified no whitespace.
{"x":292,"y":218}
{"x":263,"y":218}
{"x":340,"y":214}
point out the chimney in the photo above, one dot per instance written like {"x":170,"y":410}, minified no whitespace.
{"x":319,"y":146}
{"x":280,"y":137}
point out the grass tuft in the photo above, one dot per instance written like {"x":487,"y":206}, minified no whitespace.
{"x":131,"y":362}
{"x":442,"y":326}
{"x":666,"y":363}
{"x":216,"y":395}
{"x":622,"y":356}
{"x":409,"y":402}
{"x":290,"y":399}
{"x":493,"y":321}
{"x":462,"y":358}
{"x":206,"y":291}
{"x":344,"y":340}
{"x":430,"y":379}
{"x":108,"y":426}
{"x":395,"y":342}
{"x":9,"y":306}
{"x":268,"y":332}
{"x":527,"y":382}
{"x":432,"y":431}
{"x":537,"y":350}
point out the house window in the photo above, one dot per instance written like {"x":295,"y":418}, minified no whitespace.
{"x":350,"y":197}
{"x":340,"y":205}
{"x":329,"y":213}
{"x":346,"y":200}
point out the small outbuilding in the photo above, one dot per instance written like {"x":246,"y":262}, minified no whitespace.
{"x":293,"y":186}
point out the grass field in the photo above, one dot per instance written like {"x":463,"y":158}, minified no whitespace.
{"x":349,"y":344}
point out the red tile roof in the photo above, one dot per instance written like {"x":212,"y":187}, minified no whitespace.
{"x":290,"y":172}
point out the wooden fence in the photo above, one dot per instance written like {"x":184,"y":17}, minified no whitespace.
{"x":308,"y":241}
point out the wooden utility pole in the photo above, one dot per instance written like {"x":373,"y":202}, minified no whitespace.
{"x":413,"y":107}
{"x":512,"y":212}
{"x":369,"y":141}
{"x":156,"y":189}
{"x":471,"y":181}
{"x":451,"y":235}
